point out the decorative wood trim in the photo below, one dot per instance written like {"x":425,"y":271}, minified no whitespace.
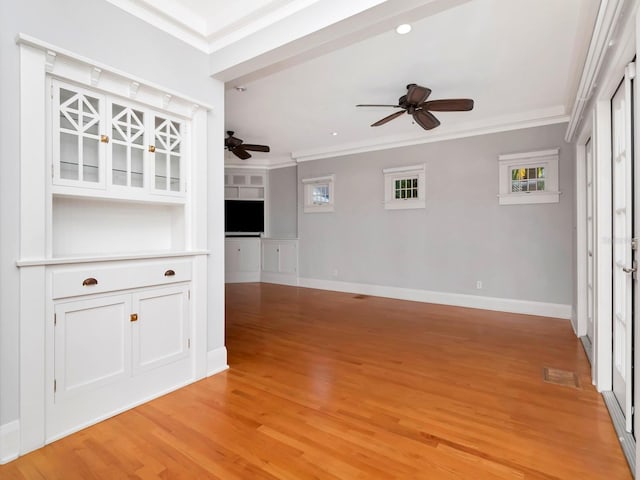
{"x":107,"y":258}
{"x":70,"y":65}
{"x":606,"y":22}
{"x":527,"y":307}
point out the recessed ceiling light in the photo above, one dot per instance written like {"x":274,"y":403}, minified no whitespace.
{"x":334,"y":133}
{"x":241,"y":89}
{"x":404,"y":28}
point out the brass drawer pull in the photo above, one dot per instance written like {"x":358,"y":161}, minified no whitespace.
{"x":169,"y":273}
{"x":89,"y":281}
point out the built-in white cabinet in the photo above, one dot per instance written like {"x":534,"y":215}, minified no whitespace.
{"x":241,"y":186}
{"x":279,"y":261}
{"x":242,"y":259}
{"x":113,"y":268}
{"x":261,"y":260}
{"x":122,"y":148}
{"x":111,"y":349}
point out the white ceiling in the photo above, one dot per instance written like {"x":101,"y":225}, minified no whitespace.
{"x":520,"y":60}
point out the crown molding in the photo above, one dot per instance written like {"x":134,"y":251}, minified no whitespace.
{"x":607,"y":21}
{"x":177,"y":23}
{"x":537,"y":118}
{"x":261,"y":163}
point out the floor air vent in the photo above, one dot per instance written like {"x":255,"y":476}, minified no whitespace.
{"x":560,"y":377}
{"x":361,"y":297}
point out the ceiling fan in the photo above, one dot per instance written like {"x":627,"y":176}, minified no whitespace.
{"x":239,"y":148}
{"x":415,"y":104}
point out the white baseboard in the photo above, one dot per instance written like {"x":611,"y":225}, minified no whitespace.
{"x":241,"y":277}
{"x":280,"y":278}
{"x":216,"y":361}
{"x":527,"y":307}
{"x":9,"y":441}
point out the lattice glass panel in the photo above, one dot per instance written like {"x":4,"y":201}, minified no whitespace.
{"x":127,"y":161}
{"x":137,"y":167}
{"x":118,"y":164}
{"x":79,"y":136}
{"x":91,"y":160}
{"x":161,"y":171}
{"x":168,"y":155}
{"x":69,"y":157}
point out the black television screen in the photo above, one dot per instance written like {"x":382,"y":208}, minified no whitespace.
{"x":244,"y":216}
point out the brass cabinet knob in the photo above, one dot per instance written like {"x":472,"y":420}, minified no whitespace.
{"x":104,"y":138}
{"x":152,"y":148}
{"x":134,"y":317}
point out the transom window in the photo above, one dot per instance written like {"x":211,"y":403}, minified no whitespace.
{"x":527,"y":179}
{"x":404,"y":187}
{"x":319,"y":194}
{"x":530,"y":177}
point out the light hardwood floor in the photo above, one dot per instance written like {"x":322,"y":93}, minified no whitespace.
{"x":329,"y":386}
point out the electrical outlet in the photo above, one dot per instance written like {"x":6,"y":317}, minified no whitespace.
{"x":479,"y":284}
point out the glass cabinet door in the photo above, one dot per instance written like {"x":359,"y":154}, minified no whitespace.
{"x":127,"y":146}
{"x":168,"y":152}
{"x":78,"y":153}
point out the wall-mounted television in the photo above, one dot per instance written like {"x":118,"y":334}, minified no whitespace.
{"x":244,"y":216}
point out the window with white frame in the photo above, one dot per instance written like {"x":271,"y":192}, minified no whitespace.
{"x":529,"y":177}
{"x":404,"y":187}
{"x":318,"y":194}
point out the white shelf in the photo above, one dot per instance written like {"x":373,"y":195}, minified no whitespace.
{"x":35,"y":262}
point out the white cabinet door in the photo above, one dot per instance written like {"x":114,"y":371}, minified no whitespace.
{"x":78,"y":136}
{"x":249,"y":257}
{"x":127,"y":149}
{"x":167,"y":155}
{"x":288,"y":257}
{"x":231,"y":256}
{"x":161,"y":331}
{"x":270,"y":257}
{"x":92,"y":344}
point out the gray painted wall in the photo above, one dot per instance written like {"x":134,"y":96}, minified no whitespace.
{"x":98,"y":30}
{"x":283,"y":202}
{"x":520,"y":252}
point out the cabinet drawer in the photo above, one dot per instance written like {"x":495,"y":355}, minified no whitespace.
{"x":107,"y":278}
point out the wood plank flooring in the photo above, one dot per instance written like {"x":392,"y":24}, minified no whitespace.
{"x":324,"y":385}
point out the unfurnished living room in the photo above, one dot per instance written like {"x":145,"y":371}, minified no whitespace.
{"x":319,"y":239}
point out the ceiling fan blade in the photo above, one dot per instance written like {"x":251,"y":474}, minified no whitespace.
{"x":231,"y":142}
{"x":449,"y":105}
{"x":387,"y":119}
{"x":241,"y":153}
{"x":255,"y":148}
{"x":373,"y":105}
{"x":425,"y":119}
{"x":417,"y":94}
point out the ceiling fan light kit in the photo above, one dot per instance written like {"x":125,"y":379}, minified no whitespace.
{"x":415,"y":104}
{"x":241,"y":149}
